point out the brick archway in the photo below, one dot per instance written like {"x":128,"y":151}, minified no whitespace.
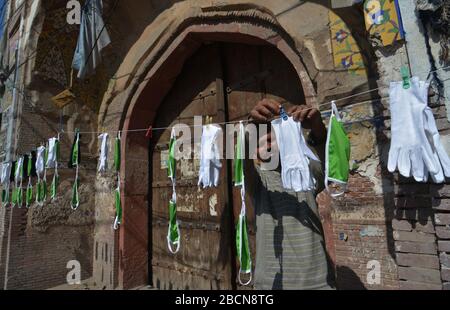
{"x":139,"y":105}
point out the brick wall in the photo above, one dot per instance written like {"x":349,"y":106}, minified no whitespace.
{"x":361,"y":234}
{"x":38,"y":259}
{"x":415,"y":238}
{"x":441,"y":205}
{"x":406,"y":228}
{"x":44,"y":239}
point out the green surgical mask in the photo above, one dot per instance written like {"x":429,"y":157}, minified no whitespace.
{"x":173,"y":233}
{"x":242,"y":244}
{"x":337,"y":155}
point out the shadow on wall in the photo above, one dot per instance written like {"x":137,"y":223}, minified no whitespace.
{"x":347,"y":279}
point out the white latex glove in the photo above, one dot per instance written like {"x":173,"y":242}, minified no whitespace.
{"x":410,"y":150}
{"x":439,"y":154}
{"x":40,"y":160}
{"x":5,"y":173}
{"x":103,"y":160}
{"x":210,"y":164}
{"x":294,"y":155}
{"x":51,"y":159}
{"x":439,"y":151}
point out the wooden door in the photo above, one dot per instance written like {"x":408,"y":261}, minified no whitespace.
{"x":204,"y":260}
{"x":222,"y":80}
{"x":253,"y":73}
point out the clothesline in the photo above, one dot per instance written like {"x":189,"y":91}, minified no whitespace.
{"x":375,"y":89}
{"x":195,"y":126}
{"x":235,"y":122}
{"x":246,"y":121}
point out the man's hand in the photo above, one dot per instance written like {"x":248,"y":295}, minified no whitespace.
{"x":310,"y":118}
{"x":265,"y":110}
{"x":306,"y":114}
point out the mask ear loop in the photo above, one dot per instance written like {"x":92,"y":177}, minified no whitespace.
{"x":75,"y":207}
{"x":117,"y":221}
{"x":327,"y":145}
{"x":57,"y":150}
{"x":30,"y":185}
{"x":44,"y":180}
{"x":174,"y":201}
{"x":334,"y":113}
{"x":241,"y":219}
{"x":14,"y":190}
{"x":21,"y":185}
{"x":169,"y":242}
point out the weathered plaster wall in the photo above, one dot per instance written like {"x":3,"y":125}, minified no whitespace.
{"x":414,"y":215}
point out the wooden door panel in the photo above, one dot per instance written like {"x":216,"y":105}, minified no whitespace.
{"x":242,"y":63}
{"x":204,"y":260}
{"x":283,"y":83}
{"x":254,"y":73}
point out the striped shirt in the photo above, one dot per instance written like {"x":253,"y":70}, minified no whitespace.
{"x":290,"y":249}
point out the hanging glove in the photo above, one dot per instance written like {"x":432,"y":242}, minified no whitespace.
{"x":52,"y":150}
{"x":431,"y":133}
{"x":410,"y":150}
{"x":17,"y":197}
{"x":439,"y":152}
{"x":103,"y":161}
{"x":210,"y":164}
{"x":294,"y":155}
{"x":40,"y":161}
{"x":5,"y":174}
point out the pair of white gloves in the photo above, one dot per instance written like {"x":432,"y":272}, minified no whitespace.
{"x":416,"y":149}
{"x":210,"y":154}
{"x":295,"y":155}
